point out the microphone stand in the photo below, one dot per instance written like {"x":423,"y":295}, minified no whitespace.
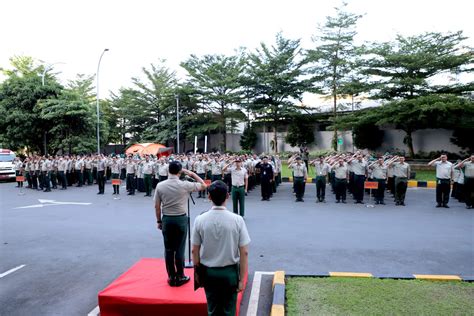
{"x":189,"y":264}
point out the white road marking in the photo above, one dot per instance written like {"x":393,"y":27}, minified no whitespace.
{"x":52,"y":203}
{"x":94,"y":312}
{"x":255,"y":293}
{"x":11,"y":271}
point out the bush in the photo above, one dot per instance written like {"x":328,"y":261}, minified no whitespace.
{"x":368,"y":136}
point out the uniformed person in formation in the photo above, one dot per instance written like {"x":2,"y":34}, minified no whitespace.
{"x":379,"y":174}
{"x":220,"y":252}
{"x":163,"y":170}
{"x":239,"y":176}
{"x":62,"y":170}
{"x":322,"y":169}
{"x":216,"y":169}
{"x":79,"y":167}
{"x":201,"y":169}
{"x":147,"y":173}
{"x":18,"y":165}
{"x":401,"y":172}
{"x":116,"y":167}
{"x":101,"y":165}
{"x":341,"y":178}
{"x":131,"y":171}
{"x":359,"y":167}
{"x":266,"y":178}
{"x":300,"y":174}
{"x":467,"y":167}
{"x":444,"y":175}
{"x":171,"y":197}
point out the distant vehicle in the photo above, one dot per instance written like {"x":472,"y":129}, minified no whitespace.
{"x":7,"y":164}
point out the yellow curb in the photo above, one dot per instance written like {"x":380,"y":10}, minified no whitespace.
{"x":412,"y":183}
{"x":431,"y":184}
{"x":277,"y":310}
{"x":351,"y":274}
{"x":279,"y":278}
{"x":290,"y":179}
{"x":435,"y":277}
{"x":309,"y":180}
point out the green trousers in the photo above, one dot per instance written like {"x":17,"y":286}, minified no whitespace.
{"x":400,"y":189}
{"x":238,"y":200}
{"x":221,"y":290}
{"x":147,"y":181}
{"x":174,"y":231}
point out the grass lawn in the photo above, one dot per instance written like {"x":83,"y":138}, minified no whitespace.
{"x":353,"y":296}
{"x":421,"y":175}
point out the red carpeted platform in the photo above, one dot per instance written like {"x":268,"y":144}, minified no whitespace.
{"x":143,"y":290}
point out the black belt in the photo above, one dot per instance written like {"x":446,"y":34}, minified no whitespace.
{"x":175,"y":215}
{"x":238,"y":186}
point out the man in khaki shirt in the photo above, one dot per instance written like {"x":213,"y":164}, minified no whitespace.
{"x":468,"y":167}
{"x":171,"y":197}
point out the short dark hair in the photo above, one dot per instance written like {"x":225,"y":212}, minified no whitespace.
{"x":218,"y":192}
{"x":175,"y":167}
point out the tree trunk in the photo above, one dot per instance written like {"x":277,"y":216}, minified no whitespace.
{"x":275,"y":136}
{"x":409,"y":143}
{"x":334,"y":141}
{"x":223,"y":130}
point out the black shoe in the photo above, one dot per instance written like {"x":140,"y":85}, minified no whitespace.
{"x":323,"y":201}
{"x":182,"y":280}
{"x":113,"y":193}
{"x":344,"y":201}
{"x":377,"y":202}
{"x":172,"y":281}
{"x":438,"y":205}
{"x":402,"y":203}
{"x":382,"y":202}
{"x":48,"y":190}
{"x":263,"y":199}
{"x":468,"y":207}
{"x":337,"y":201}
{"x":397,"y":203}
{"x":445,"y":206}
{"x":301,"y":200}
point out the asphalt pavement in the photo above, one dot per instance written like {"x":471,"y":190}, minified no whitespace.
{"x":71,"y":251}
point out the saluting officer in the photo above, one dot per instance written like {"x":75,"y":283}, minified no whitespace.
{"x":322,"y":169}
{"x":163,"y":170}
{"x":171,"y":197}
{"x":101,"y":165}
{"x":131,"y":170}
{"x":401,"y":171}
{"x":300,"y":174}
{"x":216,"y":169}
{"x":115,"y":167}
{"x":467,"y":166}
{"x":147,"y":173}
{"x":201,"y":168}
{"x":46,"y":170}
{"x":62,"y":169}
{"x":341,"y":178}
{"x":359,"y":167}
{"x":79,"y":167}
{"x":266,"y":178}
{"x":239,"y":177}
{"x":444,"y":175}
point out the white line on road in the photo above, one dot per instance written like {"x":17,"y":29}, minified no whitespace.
{"x":255,"y":293}
{"x":11,"y":271}
{"x":94,"y":312}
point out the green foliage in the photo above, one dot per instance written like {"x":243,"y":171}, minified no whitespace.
{"x":333,"y":60}
{"x":300,"y":131}
{"x":275,"y":79}
{"x":248,"y":139}
{"x":21,"y":126}
{"x":463,"y":137}
{"x":405,"y":68}
{"x":215,"y":81}
{"x":368,"y":136}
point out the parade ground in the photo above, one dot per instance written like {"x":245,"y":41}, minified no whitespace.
{"x":61,"y":248}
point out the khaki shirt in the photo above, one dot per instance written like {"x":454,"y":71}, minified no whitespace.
{"x":115,"y":166}
{"x":401,"y":170}
{"x":148,"y":167}
{"x":216,"y":168}
{"x":443,"y":169}
{"x":359,"y":167}
{"x":299,"y":170}
{"x":62,"y":165}
{"x":238,"y":176}
{"x":468,"y":169}
{"x":163,"y":169}
{"x":340,"y":172}
{"x":131,"y":167}
{"x":78,"y":165}
{"x":322,"y":168}
{"x":173,"y":195}
{"x":101,"y":165}
{"x":379,"y":171}
{"x":201,"y":167}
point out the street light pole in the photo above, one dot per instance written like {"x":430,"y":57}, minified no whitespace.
{"x":177,"y":124}
{"x":97,"y":97}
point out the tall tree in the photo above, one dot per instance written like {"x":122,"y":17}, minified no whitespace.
{"x":21,"y":126}
{"x":72,"y":117}
{"x":275,"y":80}
{"x":333,"y":59}
{"x":216,"y":82}
{"x":300,"y":131}
{"x":419,"y":65}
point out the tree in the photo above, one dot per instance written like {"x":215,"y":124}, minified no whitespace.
{"x":368,"y":135}
{"x":300,"y":131}
{"x":274,"y":79}
{"x":216,"y":83}
{"x":431,"y":111}
{"x":334,"y":57}
{"x":407,"y":67}
{"x":248,"y":140}
{"x":20,"y":125}
{"x":463,"y":138}
{"x":72,"y":117}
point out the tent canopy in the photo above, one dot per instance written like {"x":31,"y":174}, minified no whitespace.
{"x":149,"y":149}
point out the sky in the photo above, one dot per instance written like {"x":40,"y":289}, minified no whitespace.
{"x":73,"y":34}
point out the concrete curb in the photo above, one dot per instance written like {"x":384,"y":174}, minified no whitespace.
{"x":411,"y":183}
{"x":278,"y":303}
